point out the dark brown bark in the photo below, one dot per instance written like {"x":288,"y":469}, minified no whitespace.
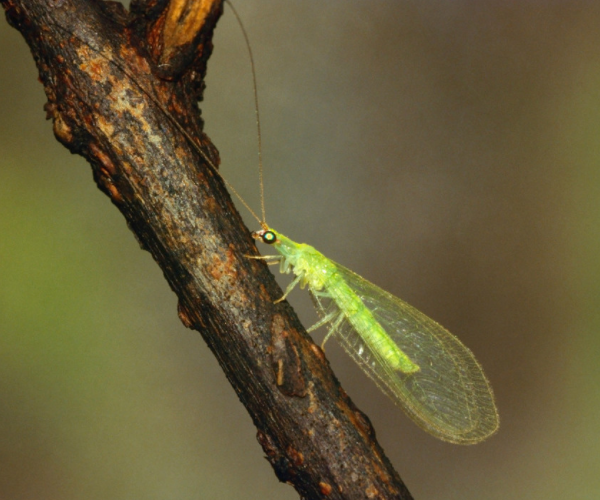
{"x":110,"y":77}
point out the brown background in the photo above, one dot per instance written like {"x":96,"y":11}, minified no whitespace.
{"x":447,"y":151}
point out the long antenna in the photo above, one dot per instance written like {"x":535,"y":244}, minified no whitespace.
{"x":258,"y":133}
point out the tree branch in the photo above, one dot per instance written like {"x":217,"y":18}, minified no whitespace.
{"x":115,"y":82}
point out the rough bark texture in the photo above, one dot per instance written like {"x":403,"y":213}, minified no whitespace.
{"x":110,"y":77}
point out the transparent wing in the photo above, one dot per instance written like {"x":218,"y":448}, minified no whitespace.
{"x":449,"y":396}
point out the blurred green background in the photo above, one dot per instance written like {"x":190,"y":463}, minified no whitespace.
{"x":447,"y":151}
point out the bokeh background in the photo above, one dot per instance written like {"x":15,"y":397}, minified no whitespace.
{"x":447,"y":151}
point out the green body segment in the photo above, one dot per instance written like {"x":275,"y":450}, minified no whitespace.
{"x":321,"y":274}
{"x":363,"y":321}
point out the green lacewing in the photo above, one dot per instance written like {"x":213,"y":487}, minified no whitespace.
{"x":419,"y":364}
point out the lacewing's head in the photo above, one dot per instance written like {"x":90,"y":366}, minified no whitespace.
{"x":267,"y":236}
{"x":281,"y":243}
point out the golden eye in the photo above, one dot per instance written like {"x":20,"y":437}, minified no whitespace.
{"x":269,"y":237}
